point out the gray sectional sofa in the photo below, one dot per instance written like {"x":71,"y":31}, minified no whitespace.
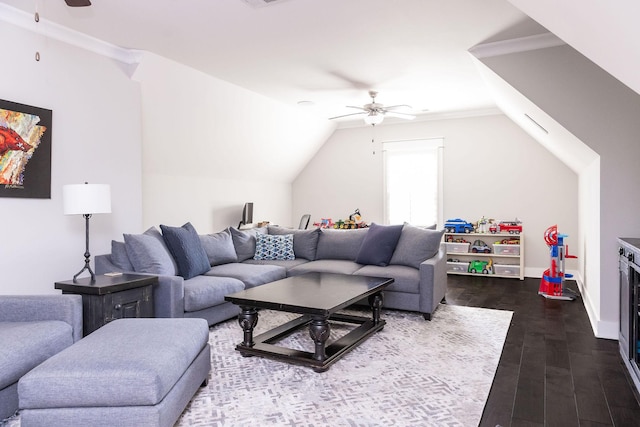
{"x":194,"y":276}
{"x":33,"y":328}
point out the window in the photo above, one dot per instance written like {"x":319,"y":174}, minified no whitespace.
{"x":413,"y":181}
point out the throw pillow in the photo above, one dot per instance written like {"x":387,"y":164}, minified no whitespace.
{"x":149,"y":254}
{"x":219,"y":247}
{"x":244,"y":242}
{"x":305,"y":242}
{"x":378,"y":245}
{"x":416,"y":245}
{"x":340,"y":244}
{"x":185,"y":246}
{"x":269,"y":246}
{"x":119,"y":256}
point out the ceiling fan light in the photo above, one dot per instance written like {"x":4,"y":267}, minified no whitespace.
{"x":373,"y":119}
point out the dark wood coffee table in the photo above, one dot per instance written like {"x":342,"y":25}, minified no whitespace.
{"x":318,"y":297}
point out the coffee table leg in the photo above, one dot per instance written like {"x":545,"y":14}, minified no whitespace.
{"x":248,"y":319}
{"x":375,"y":302}
{"x":319,"y":330}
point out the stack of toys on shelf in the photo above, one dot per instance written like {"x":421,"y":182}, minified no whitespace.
{"x":507,"y":249}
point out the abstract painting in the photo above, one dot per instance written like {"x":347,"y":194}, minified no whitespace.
{"x":25,"y":151}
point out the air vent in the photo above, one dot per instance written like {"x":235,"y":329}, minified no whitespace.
{"x":261,"y":3}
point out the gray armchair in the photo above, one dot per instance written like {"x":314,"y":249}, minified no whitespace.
{"x":32,"y":329}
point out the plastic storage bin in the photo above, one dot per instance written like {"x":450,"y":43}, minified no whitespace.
{"x":499,"y":249}
{"x":459,"y":248}
{"x":507,"y":270}
{"x":457,"y":267}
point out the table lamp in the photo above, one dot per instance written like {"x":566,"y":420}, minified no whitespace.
{"x":86,"y":199}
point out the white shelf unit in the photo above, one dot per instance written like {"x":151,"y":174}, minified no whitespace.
{"x":505,"y":264}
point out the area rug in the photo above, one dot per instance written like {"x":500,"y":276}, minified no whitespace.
{"x":412,"y":373}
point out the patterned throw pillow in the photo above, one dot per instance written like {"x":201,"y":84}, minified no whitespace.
{"x":270,"y":246}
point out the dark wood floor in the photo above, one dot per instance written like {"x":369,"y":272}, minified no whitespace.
{"x":553,"y":371}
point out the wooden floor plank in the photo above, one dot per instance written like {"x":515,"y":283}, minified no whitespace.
{"x":553,"y":371}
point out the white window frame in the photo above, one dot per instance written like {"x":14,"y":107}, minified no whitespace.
{"x":416,"y":145}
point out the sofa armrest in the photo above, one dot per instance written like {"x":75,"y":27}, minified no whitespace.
{"x":26,"y":308}
{"x":433,"y":281}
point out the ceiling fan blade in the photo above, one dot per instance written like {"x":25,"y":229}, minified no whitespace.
{"x":78,"y":3}
{"x":347,"y":115}
{"x":359,"y":108}
{"x":405,"y":116}
{"x":395,"y":107}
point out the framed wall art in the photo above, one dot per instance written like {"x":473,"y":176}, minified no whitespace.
{"x":25,"y":151}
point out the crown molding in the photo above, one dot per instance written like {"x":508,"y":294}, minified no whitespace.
{"x":521,"y":44}
{"x":66,"y":35}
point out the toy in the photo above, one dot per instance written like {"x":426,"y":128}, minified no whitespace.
{"x":483,"y":225}
{"x":458,"y":225}
{"x":480,"y":246}
{"x":477,"y":266}
{"x":511,"y":227}
{"x":552,"y":282}
{"x":324,"y":223}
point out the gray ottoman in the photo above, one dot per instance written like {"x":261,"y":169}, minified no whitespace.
{"x":130,"y":372}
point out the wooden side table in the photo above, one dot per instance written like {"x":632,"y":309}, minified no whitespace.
{"x":111,"y":297}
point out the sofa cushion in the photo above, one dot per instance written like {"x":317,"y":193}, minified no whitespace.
{"x":27,"y":344}
{"x":416,"y":245}
{"x":406,"y":279}
{"x":184,"y":244}
{"x":269,"y":246}
{"x":286,"y":263}
{"x":202,"y":292}
{"x":250,"y":274}
{"x":340,"y":244}
{"x":219,"y":247}
{"x":305,"y":242}
{"x":149,"y":254}
{"x":378,"y":245}
{"x":325,"y":266}
{"x":127,"y":362}
{"x":119,"y":256}
{"x":244,"y":242}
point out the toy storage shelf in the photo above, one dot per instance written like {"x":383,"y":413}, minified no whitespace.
{"x":508,"y":259}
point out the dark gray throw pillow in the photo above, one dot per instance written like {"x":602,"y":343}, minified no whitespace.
{"x":184,"y":244}
{"x":378,"y":245}
{"x":416,"y":245}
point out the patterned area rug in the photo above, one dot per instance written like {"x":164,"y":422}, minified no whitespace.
{"x":412,"y":373}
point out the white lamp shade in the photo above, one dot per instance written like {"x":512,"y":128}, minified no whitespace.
{"x":373,"y":118}
{"x":78,"y":199}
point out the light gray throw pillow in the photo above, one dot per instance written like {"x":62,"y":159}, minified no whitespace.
{"x":340,"y":244}
{"x":244,"y":242}
{"x":119,"y":256}
{"x":416,"y":245}
{"x":149,"y":254}
{"x":219,"y":247}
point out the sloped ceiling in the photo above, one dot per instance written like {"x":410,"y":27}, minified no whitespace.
{"x":606,"y":32}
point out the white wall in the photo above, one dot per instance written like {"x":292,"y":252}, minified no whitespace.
{"x":210,"y":146}
{"x":491,"y":168}
{"x":603,"y":113}
{"x":95,"y":138}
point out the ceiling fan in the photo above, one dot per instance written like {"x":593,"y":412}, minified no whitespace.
{"x":375,"y":112}
{"x":78,"y":3}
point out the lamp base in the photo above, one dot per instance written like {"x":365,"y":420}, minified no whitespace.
{"x":86,"y":267}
